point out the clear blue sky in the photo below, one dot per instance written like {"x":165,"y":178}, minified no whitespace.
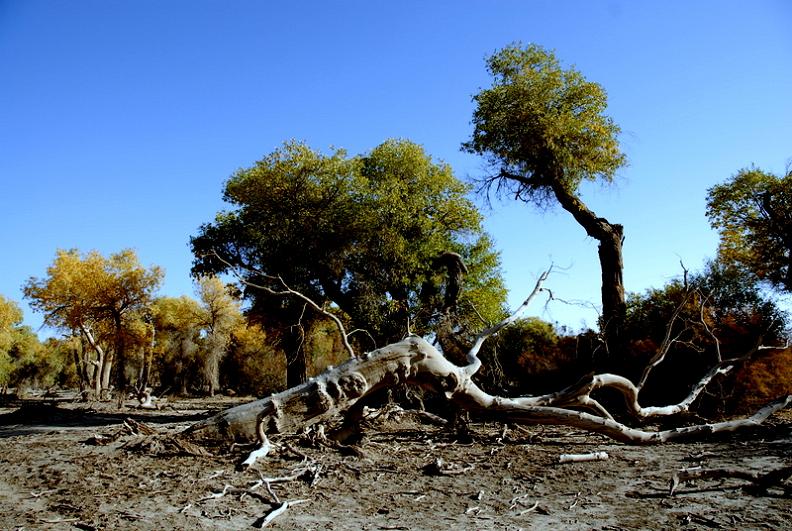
{"x":120,"y":121}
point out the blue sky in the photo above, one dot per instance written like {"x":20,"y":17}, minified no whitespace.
{"x":120,"y":121}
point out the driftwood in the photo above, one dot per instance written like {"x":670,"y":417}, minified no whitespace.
{"x":582,"y":458}
{"x":414,"y":361}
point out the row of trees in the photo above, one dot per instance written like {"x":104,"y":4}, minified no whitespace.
{"x":22,"y":357}
{"x":116,"y":331}
{"x":389,"y":243}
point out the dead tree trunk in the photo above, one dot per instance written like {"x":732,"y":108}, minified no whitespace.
{"x":415,"y":361}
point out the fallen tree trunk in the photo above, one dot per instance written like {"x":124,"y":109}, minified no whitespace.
{"x":319,"y":399}
{"x":415,"y":361}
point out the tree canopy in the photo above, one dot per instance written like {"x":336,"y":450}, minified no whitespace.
{"x":357,"y":233}
{"x":220,"y":314}
{"x":543,"y":127}
{"x":10,"y":320}
{"x":96,"y":296}
{"x":752,"y":212}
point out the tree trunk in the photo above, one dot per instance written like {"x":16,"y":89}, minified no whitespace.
{"x":103,"y":377}
{"x":101,"y":367}
{"x":614,"y":308}
{"x":120,"y":356}
{"x":293,"y":343}
{"x":145,"y":371}
{"x":96,"y":375}
{"x":212,"y":370}
{"x":82,"y":375}
{"x":610,"y":237}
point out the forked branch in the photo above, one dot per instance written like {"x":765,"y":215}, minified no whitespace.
{"x":415,"y":361}
{"x":474,"y":363}
{"x":286,"y":291}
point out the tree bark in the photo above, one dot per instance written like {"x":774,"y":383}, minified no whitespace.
{"x":101,"y":372}
{"x":120,"y":355}
{"x":82,"y":374}
{"x":103,"y":376}
{"x":614,"y":307}
{"x":212,"y":367}
{"x":145,"y":370}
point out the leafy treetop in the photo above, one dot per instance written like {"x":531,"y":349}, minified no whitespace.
{"x":752,"y":213}
{"x":358,"y":233}
{"x":542,"y":125}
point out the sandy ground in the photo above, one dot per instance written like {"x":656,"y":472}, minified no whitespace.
{"x":56,"y":477}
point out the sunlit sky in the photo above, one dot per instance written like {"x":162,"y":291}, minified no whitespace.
{"x":120,"y":121}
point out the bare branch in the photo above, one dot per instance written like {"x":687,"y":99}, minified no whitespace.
{"x":774,"y":347}
{"x":287,"y":291}
{"x":667,"y":343}
{"x":474,"y":363}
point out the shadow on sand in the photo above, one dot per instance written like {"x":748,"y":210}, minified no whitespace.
{"x":44,"y":415}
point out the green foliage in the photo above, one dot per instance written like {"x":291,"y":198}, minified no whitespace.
{"x":542,"y":125}
{"x":39,"y":366}
{"x":752,"y":213}
{"x":324,"y":346}
{"x":24,"y":361}
{"x":543,"y":130}
{"x":10,"y":321}
{"x":724,"y":298}
{"x":57,"y":365}
{"x":356,"y":233}
{"x":532,"y":357}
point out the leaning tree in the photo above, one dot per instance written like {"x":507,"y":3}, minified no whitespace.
{"x":543,"y":131}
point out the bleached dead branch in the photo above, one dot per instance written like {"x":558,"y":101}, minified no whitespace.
{"x":415,"y":361}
